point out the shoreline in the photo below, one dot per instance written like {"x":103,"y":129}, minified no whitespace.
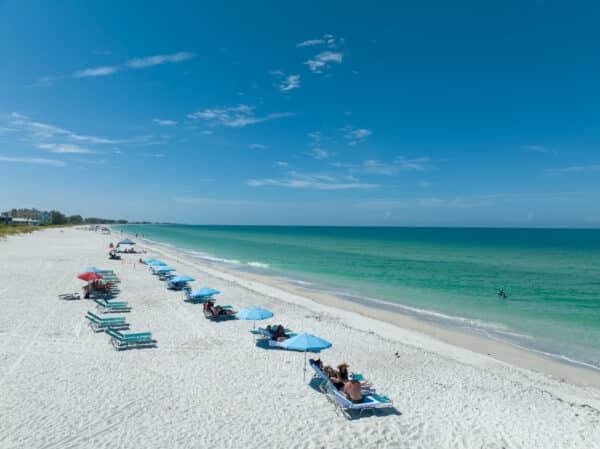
{"x":66,"y":386}
{"x":382,"y":311}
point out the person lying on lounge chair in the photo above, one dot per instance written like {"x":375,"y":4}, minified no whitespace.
{"x":353,"y":391}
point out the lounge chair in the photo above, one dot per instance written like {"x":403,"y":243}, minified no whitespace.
{"x":69,"y":296}
{"x":122,"y":341}
{"x":99,"y":324}
{"x":218,"y":313}
{"x":371,"y":399}
{"x":176,"y":285}
{"x":112,"y":306}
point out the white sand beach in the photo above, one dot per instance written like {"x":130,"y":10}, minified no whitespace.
{"x":207,"y":385}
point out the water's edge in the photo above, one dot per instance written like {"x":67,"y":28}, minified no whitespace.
{"x":487,"y":330}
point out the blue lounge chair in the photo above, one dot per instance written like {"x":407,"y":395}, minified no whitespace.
{"x":122,"y":341}
{"x":218,"y":313}
{"x":175,"y":285}
{"x":112,"y":306}
{"x":99,"y":324}
{"x":371,"y":400}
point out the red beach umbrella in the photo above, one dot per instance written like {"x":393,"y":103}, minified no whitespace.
{"x":89,"y":276}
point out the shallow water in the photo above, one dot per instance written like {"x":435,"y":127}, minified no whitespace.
{"x":552,"y":277}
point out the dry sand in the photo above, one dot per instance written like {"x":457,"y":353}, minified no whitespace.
{"x":207,"y":385}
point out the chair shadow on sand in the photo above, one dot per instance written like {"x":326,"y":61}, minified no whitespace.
{"x":316,"y":384}
{"x":263,"y":343}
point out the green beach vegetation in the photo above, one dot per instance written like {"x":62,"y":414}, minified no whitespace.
{"x":21,"y":221}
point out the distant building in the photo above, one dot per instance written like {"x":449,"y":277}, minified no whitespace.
{"x":25,"y":221}
{"x":4,"y":219}
{"x":32,"y":217}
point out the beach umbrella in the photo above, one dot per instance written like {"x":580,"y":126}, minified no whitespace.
{"x":204,"y":292}
{"x":126,"y":242}
{"x":156,"y":262}
{"x":254,"y":314}
{"x":182,"y":279}
{"x":162,"y":268}
{"x":92,"y":270}
{"x":305,"y":343}
{"x":89,"y":276}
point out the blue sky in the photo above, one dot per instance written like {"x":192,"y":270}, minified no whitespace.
{"x":420,"y":113}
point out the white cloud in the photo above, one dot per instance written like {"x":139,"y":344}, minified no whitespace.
{"x":574,"y":169}
{"x":356,"y":136}
{"x":327,"y":39}
{"x":295,"y":180}
{"x":63,"y":148}
{"x":204,"y":201}
{"x":315,"y":136}
{"x":235,"y":116}
{"x":96,"y":71}
{"x":285,"y":82}
{"x":258,"y":146}
{"x":401,"y":163}
{"x":424,"y":184}
{"x":154,"y":155}
{"x":319,"y":153}
{"x":33,"y":160}
{"x":324,"y":60}
{"x":163,"y":122}
{"x":540,"y":149}
{"x":281,"y":164}
{"x":290,"y":82}
{"x":44,"y":131}
{"x":135,"y":63}
{"x":150,"y":61}
{"x":310,"y":43}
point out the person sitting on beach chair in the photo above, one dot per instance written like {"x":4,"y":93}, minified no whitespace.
{"x":343,"y":372}
{"x":277,"y":332}
{"x":353,"y":391}
{"x":334,"y":377}
{"x":316,"y":362}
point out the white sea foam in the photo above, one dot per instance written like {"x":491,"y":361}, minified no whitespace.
{"x":258,"y":264}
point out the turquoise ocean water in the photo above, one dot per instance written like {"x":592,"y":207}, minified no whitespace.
{"x":449,"y":276}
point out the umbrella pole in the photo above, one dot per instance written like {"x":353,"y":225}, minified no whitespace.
{"x":304,"y":374}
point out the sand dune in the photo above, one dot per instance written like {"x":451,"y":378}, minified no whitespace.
{"x":207,"y":385}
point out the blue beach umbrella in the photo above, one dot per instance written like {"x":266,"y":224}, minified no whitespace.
{"x":156,"y":262}
{"x":162,"y":268}
{"x":305,"y":342}
{"x":182,"y":279}
{"x":126,"y":242}
{"x":204,"y":292}
{"x":92,"y":270}
{"x":254,"y":314}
